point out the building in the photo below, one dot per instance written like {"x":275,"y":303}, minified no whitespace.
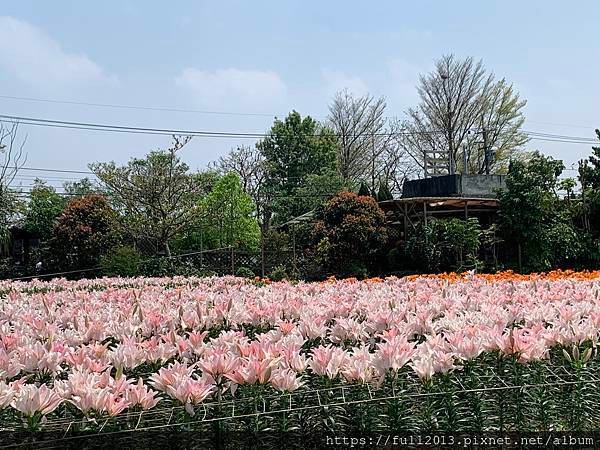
{"x":456,"y":195}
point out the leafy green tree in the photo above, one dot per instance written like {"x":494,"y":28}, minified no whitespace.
{"x":156,"y":196}
{"x":42,"y":210}
{"x":83,"y":233}
{"x":80,"y":188}
{"x":589,"y":178}
{"x":530,"y":212}
{"x":445,"y":245}
{"x":350,"y":233}
{"x":294,"y":149}
{"x":319,"y":188}
{"x":227,"y":216}
{"x":9,"y":208}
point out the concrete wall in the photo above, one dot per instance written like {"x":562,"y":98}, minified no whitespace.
{"x":482,"y":185}
{"x":457,"y":185}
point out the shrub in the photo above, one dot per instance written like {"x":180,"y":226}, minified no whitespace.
{"x":163,"y":266}
{"x":350,"y":232}
{"x":279,"y":273}
{"x":245,"y":272}
{"x":121,"y":261}
{"x":84,"y":232}
{"x":445,"y":245}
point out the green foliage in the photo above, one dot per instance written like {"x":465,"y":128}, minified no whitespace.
{"x":44,"y":206}
{"x":276,"y":240}
{"x":83,"y":233}
{"x":294,"y":149}
{"x":156,"y":196}
{"x":531,"y":216}
{"x":123,"y":261}
{"x":364,"y":191}
{"x":80,"y":188}
{"x":244,"y":272}
{"x":162,"y":266}
{"x":9,"y":208}
{"x":279,"y":273}
{"x":350,"y":232}
{"x":317,"y":189}
{"x":384,"y":193}
{"x":227,"y":216}
{"x":589,"y":177}
{"x":445,"y":245}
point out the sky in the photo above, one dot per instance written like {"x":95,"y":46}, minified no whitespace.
{"x":265,"y":58}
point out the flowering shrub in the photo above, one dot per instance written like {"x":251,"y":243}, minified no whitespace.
{"x":105,"y":349}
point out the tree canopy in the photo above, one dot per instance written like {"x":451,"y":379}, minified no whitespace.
{"x":227,"y":216}
{"x":466,"y":114}
{"x":294,"y":149}
{"x":156,"y":196}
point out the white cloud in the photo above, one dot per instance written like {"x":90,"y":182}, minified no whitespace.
{"x":233,"y":86}
{"x":338,"y":81}
{"x":35,"y":58}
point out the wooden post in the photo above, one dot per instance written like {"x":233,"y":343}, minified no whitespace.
{"x":202,"y":246}
{"x":425,"y":212}
{"x":294,"y":247}
{"x":405,"y":217}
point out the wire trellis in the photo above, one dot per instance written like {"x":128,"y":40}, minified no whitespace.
{"x":411,"y":389}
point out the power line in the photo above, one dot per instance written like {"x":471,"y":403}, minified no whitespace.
{"x":253,"y":135}
{"x":169,"y":131}
{"x":137,"y":107}
{"x":208,"y":112}
{"x":41,"y":169}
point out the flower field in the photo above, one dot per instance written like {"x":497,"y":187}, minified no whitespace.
{"x":453,"y":352}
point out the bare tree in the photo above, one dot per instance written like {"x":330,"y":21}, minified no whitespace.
{"x":11,"y":152}
{"x":12,"y":159}
{"x":368,"y":141}
{"x":499,"y":129}
{"x":358,"y":123}
{"x":463,"y":115}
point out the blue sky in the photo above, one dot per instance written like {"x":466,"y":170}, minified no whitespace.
{"x":270,"y":57}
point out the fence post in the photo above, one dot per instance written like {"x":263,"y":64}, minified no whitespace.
{"x":232,"y":261}
{"x":262,"y":252}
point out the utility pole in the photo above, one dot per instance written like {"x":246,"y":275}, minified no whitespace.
{"x":452,"y":165}
{"x":486,"y":151}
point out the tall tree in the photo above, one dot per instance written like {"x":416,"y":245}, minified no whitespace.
{"x":589,"y":178}
{"x":227,"y":215}
{"x":294,"y":149}
{"x":531,"y":218}
{"x":464,"y":114}
{"x":12,"y":158}
{"x":369,"y":150}
{"x":42,"y":210}
{"x":249,"y":164}
{"x":80,"y":188}
{"x":157,"y":196}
